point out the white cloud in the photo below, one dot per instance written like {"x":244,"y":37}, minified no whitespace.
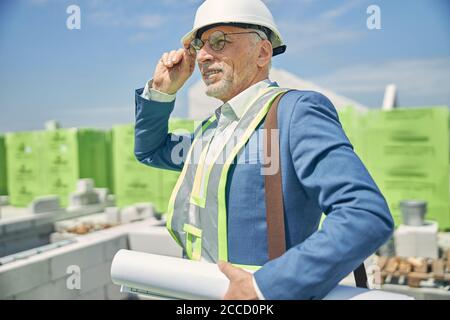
{"x":148,"y":21}
{"x":118,"y":19}
{"x":117,"y":13}
{"x":304,"y":33}
{"x":420,"y":81}
{"x":309,"y":35}
{"x":139,"y":37}
{"x":341,"y":10}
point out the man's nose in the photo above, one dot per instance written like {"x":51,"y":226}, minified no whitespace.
{"x":204,"y":54}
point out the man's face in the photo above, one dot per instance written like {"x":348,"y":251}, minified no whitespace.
{"x":230,"y":71}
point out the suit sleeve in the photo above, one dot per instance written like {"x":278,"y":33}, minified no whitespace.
{"x":154,"y":146}
{"x":358,"y":220}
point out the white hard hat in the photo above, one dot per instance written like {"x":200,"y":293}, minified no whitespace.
{"x":246,"y":12}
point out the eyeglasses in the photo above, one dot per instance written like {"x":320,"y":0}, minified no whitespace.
{"x":216,"y":41}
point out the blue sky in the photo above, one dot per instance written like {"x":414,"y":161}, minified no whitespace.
{"x":87,"y":77}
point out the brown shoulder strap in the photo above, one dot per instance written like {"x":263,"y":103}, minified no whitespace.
{"x":272,"y":185}
{"x":276,"y":236}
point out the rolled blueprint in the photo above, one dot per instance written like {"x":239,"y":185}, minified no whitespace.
{"x":167,"y":277}
{"x":175,"y":278}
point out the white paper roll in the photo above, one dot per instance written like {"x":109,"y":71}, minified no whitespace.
{"x":168,"y":276}
{"x":177,"y":278}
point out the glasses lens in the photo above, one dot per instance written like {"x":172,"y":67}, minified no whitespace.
{"x":217,"y":40}
{"x":192,"y":50}
{"x":197,"y":44}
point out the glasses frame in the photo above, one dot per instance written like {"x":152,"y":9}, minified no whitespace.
{"x":197,"y":44}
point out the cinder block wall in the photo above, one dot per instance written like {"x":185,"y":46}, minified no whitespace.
{"x":47,"y":278}
{"x":15,"y":239}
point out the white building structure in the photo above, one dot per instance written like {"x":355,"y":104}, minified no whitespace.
{"x":202,"y":106}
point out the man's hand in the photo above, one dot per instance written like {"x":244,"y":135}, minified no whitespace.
{"x":241,"y":283}
{"x":172,"y":71}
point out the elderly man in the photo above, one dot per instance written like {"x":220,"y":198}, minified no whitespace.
{"x":217,"y":211}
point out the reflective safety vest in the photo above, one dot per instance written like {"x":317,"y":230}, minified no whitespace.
{"x":197,"y":213}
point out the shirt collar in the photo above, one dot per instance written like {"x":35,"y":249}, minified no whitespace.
{"x":235,"y":108}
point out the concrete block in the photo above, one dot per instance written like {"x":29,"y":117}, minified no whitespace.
{"x":57,"y":237}
{"x":17,"y":226}
{"x":45,"y":204}
{"x":20,"y":279}
{"x":44,"y":220}
{"x":137,"y":212}
{"x":4,"y":200}
{"x":80,"y":199}
{"x":95,"y":277}
{"x":110,"y":200}
{"x":113,"y":292}
{"x":145,"y":210}
{"x":444,"y":240}
{"x":98,"y":294}
{"x":85,"y":185}
{"x":111,"y":247}
{"x":156,"y":240}
{"x":128,"y":214}
{"x":102,"y":194}
{"x":112,"y":215}
{"x":54,"y":290}
{"x":84,"y":258}
{"x":420,"y":241}
{"x":43,"y":228}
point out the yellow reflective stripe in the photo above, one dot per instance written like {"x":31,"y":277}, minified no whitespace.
{"x":180,"y":181}
{"x":193,"y":241}
{"x":196,"y":197}
{"x":192,"y":230}
{"x":197,"y":253}
{"x":199,"y":202}
{"x":199,"y":173}
{"x":222,"y":208}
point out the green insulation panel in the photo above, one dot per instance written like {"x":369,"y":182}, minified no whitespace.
{"x":72,"y":154}
{"x":50,"y":163}
{"x":3,"y":175}
{"x":406,"y":152}
{"x":24,"y":170}
{"x":133,"y":181}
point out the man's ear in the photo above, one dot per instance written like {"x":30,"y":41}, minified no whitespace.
{"x":265,"y":53}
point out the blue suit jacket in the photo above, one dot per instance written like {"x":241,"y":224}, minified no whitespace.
{"x":320,"y":172}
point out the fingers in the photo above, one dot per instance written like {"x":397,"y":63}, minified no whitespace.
{"x":189,"y":59}
{"x":172,"y":58}
{"x":228,"y":270}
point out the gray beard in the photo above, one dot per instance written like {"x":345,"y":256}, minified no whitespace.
{"x":219,"y":89}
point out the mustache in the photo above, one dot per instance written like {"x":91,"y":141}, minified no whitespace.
{"x":209,"y":67}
